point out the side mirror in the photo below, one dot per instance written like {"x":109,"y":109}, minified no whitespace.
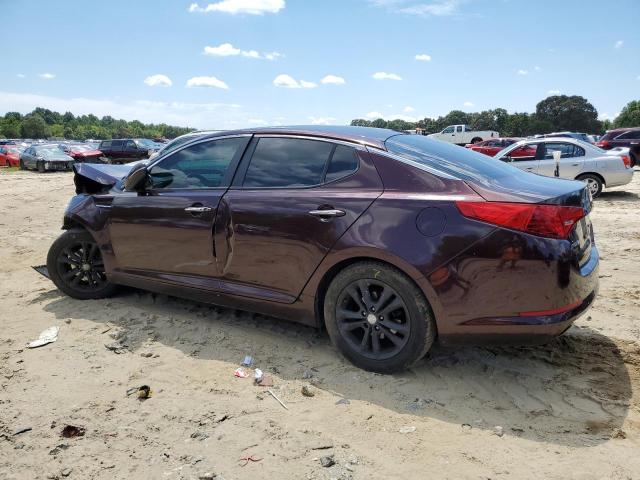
{"x":136,"y":179}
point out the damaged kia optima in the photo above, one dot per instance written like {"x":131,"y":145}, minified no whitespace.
{"x":388,"y":240}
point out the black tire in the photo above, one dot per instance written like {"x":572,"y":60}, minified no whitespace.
{"x":40,"y":167}
{"x":634,"y":159}
{"x":75,"y":265}
{"x":476,"y":140}
{"x":411,"y":342}
{"x":22,"y":167}
{"x":594,"y":183}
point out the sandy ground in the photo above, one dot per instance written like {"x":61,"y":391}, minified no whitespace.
{"x":570,"y":409}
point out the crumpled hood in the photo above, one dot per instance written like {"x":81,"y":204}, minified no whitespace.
{"x":96,"y":178}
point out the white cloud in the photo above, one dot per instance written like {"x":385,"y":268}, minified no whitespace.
{"x":522,"y":72}
{"x":606,"y":116}
{"x":198,"y":115}
{"x":20,"y":75}
{"x":374,"y":115}
{"x":47,"y":76}
{"x":228,"y":50}
{"x":251,"y":7}
{"x":423,"y":57}
{"x":409,"y":109}
{"x":158,"y":80}
{"x":287,"y":81}
{"x":537,"y":68}
{"x":467,"y":104}
{"x":207,"y":82}
{"x":322,"y":120}
{"x":618,"y":44}
{"x":553,"y":92}
{"x":386,"y":76}
{"x":437,"y":9}
{"x":333,"y":80}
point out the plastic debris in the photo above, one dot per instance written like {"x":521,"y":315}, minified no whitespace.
{"x":248,"y":361}
{"x":277,"y":399}
{"x":267,"y":381}
{"x":241,"y":372}
{"x":407,"y":429}
{"x":244,"y":461}
{"x":327,"y":461}
{"x":343,"y":401}
{"x":307,"y":391}
{"x":258,"y":375}
{"x":498,"y":430}
{"x":72,"y":431}
{"x":49,"y":335}
{"x":22,"y":430}
{"x":42,"y":270}
{"x":144,"y":392}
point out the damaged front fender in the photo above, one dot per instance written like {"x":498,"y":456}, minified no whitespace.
{"x":93,"y":178}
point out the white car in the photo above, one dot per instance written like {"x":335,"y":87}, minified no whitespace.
{"x":463,"y":135}
{"x":578,"y":160}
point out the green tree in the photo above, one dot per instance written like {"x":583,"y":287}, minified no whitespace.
{"x":379,"y":123}
{"x":629,"y":116}
{"x":34,"y":126}
{"x":360,"y":122}
{"x":573,"y":113}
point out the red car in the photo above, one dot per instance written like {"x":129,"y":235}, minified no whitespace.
{"x":82,"y":153}
{"x":9,"y":156}
{"x":492,"y":146}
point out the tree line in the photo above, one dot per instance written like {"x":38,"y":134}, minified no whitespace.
{"x":556,"y":113}
{"x":44,"y":123}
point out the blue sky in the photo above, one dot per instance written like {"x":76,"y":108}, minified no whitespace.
{"x":238,"y":63}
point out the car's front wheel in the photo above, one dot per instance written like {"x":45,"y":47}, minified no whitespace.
{"x":76,"y":267}
{"x":378,"y":318}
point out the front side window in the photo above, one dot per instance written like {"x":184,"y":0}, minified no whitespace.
{"x":631,"y":135}
{"x":523,"y":153}
{"x":203,"y":165}
{"x":448,"y":130}
{"x":287,"y":162}
{"x":459,"y":128}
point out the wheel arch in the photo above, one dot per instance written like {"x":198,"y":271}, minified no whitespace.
{"x":414,"y":276}
{"x":582,"y":174}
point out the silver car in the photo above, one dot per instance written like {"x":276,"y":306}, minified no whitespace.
{"x":578,"y":160}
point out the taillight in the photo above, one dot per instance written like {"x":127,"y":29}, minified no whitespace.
{"x":553,"y":221}
{"x":603,"y":143}
{"x":626,"y":160}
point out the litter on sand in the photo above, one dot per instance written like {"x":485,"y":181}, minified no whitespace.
{"x":71,"y":431}
{"x":258,"y":375}
{"x":144,"y":392}
{"x":49,"y":335}
{"x":241,"y":373}
{"x":248,"y":361}
{"x":277,"y":399}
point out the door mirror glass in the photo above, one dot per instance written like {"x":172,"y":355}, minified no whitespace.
{"x":137,"y":179}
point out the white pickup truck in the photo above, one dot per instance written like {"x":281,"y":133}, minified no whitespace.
{"x":463,"y":135}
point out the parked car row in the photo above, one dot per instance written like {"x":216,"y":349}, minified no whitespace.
{"x":579,"y":160}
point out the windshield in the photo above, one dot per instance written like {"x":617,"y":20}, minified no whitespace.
{"x":458,"y":162}
{"x":50,"y":152}
{"x":80,"y":148}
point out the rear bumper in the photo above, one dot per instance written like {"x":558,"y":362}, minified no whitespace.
{"x":516,"y":300}
{"x":616,"y":179}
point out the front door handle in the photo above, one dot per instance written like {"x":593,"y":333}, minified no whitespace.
{"x":198,"y":209}
{"x":530,"y":168}
{"x":330,"y":212}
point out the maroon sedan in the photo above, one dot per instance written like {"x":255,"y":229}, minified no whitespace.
{"x":386,"y":239}
{"x":493,"y":146}
{"x":82,"y":153}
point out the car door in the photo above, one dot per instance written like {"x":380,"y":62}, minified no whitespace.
{"x":166,"y":231}
{"x":28,"y":158}
{"x":291,"y":201}
{"x":571,"y":159}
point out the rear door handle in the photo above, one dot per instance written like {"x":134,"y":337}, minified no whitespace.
{"x":331,"y":212}
{"x":198,"y":209}
{"x":529,"y":168}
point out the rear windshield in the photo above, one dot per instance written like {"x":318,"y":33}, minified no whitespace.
{"x":458,"y":162}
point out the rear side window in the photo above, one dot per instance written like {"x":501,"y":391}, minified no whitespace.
{"x":631,"y":135}
{"x":287,"y":162}
{"x":105,"y":144}
{"x":567,"y":150}
{"x":343,"y":163}
{"x":117,"y":143}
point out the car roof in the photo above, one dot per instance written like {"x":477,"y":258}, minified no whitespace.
{"x":369,"y":136}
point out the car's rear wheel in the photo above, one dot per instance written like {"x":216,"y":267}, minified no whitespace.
{"x":40,"y":166}
{"x":594,"y":183}
{"x":378,"y":318}
{"x":76,"y":267}
{"x":22,"y":167}
{"x":476,"y":140}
